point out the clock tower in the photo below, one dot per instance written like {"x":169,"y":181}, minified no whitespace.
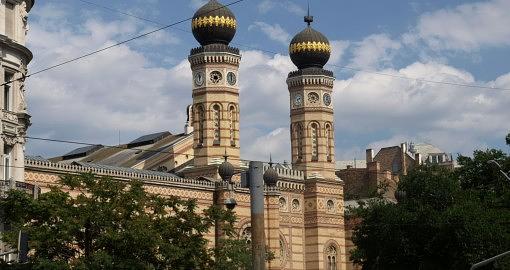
{"x":311,"y":107}
{"x":312,"y":133}
{"x":215,"y":68}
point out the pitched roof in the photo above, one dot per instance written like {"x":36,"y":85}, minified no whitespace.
{"x":148,"y":139}
{"x":124,"y":169}
{"x":82,"y":151}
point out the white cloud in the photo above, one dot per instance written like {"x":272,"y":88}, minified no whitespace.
{"x":91,"y":100}
{"x":268,"y":5}
{"x":374,"y":51}
{"x":274,"y":32}
{"x":197,"y":3}
{"x":95,"y":98}
{"x":276,"y":143}
{"x":466,"y":27}
{"x":338,"y":49}
{"x":457,"y":119}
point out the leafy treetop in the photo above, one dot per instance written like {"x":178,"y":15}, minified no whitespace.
{"x":117,"y":225}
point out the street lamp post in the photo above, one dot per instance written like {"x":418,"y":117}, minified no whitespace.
{"x":500,"y":168}
{"x":256,"y":179}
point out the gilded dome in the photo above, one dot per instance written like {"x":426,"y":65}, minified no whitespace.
{"x":214,"y":23}
{"x":309,"y":48}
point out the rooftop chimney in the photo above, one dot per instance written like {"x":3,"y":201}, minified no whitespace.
{"x":417,"y":158}
{"x":188,"y":127}
{"x":403,"y":146}
{"x":370,"y":155}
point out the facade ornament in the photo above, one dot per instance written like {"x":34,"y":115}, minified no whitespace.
{"x":24,"y":16}
{"x":21,"y":76}
{"x":12,"y":140}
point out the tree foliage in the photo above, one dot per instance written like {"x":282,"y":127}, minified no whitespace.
{"x":108,"y":224}
{"x":448,"y":219}
{"x":508,"y":139}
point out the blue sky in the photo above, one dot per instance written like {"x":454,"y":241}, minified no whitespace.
{"x":144,"y":86}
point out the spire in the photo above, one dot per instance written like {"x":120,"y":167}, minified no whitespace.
{"x":308,"y":18}
{"x":270,"y":160}
{"x":225,"y":156}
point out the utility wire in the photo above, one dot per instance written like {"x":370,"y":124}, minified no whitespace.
{"x":161,"y":24}
{"x":112,"y":46}
{"x":333,"y":65}
{"x":119,"y":147}
{"x":104,"y":146}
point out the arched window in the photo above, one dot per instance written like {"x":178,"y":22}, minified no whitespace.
{"x":299,"y":139}
{"x":201,"y":124}
{"x":217,"y":127}
{"x":246,"y":234}
{"x":331,"y":258}
{"x":232,"y":119}
{"x":315,"y":141}
{"x":283,"y":251}
{"x":329,"y":142}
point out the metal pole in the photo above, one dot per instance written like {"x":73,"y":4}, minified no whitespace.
{"x":482,"y":263}
{"x":500,"y":169}
{"x":257,"y":215}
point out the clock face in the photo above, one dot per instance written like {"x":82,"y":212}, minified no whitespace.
{"x":199,"y":79}
{"x":231,"y":78}
{"x":216,"y":77}
{"x":313,"y":97}
{"x":298,"y":100}
{"x":327,"y":99}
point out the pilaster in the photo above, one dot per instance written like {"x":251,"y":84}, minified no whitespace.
{"x":324,"y":223}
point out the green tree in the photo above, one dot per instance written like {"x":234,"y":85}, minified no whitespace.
{"x":109,"y":224}
{"x":447,"y":219}
{"x":508,"y":139}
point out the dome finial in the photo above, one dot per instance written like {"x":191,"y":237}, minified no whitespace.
{"x":308,"y":18}
{"x":225,"y":156}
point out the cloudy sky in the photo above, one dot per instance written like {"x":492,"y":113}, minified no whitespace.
{"x":144,"y":86}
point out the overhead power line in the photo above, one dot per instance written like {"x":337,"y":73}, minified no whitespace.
{"x":104,"y":146}
{"x":114,"y":45}
{"x":333,"y":65}
{"x":161,"y":24}
{"x":238,"y":44}
{"x":422,"y":80}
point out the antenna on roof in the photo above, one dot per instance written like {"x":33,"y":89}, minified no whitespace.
{"x":308,"y":18}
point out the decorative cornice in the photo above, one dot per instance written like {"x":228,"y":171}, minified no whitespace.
{"x":215,"y":48}
{"x":208,"y":21}
{"x":215,"y":53}
{"x":318,"y":108}
{"x":310,"y":46}
{"x":8,"y":42}
{"x":53,"y":167}
{"x":311,"y":71}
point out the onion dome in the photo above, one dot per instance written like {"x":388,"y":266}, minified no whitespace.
{"x":214,"y":23}
{"x":226,"y":170}
{"x":270,"y":176}
{"x":230,"y":203}
{"x":309,"y":48}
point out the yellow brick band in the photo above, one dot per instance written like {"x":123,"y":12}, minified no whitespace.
{"x":213,"y":21}
{"x":309,"y":47}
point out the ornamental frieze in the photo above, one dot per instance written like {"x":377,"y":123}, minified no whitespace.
{"x":323,"y":220}
{"x":325,"y":190}
{"x":179,"y":193}
{"x":291,"y":220}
